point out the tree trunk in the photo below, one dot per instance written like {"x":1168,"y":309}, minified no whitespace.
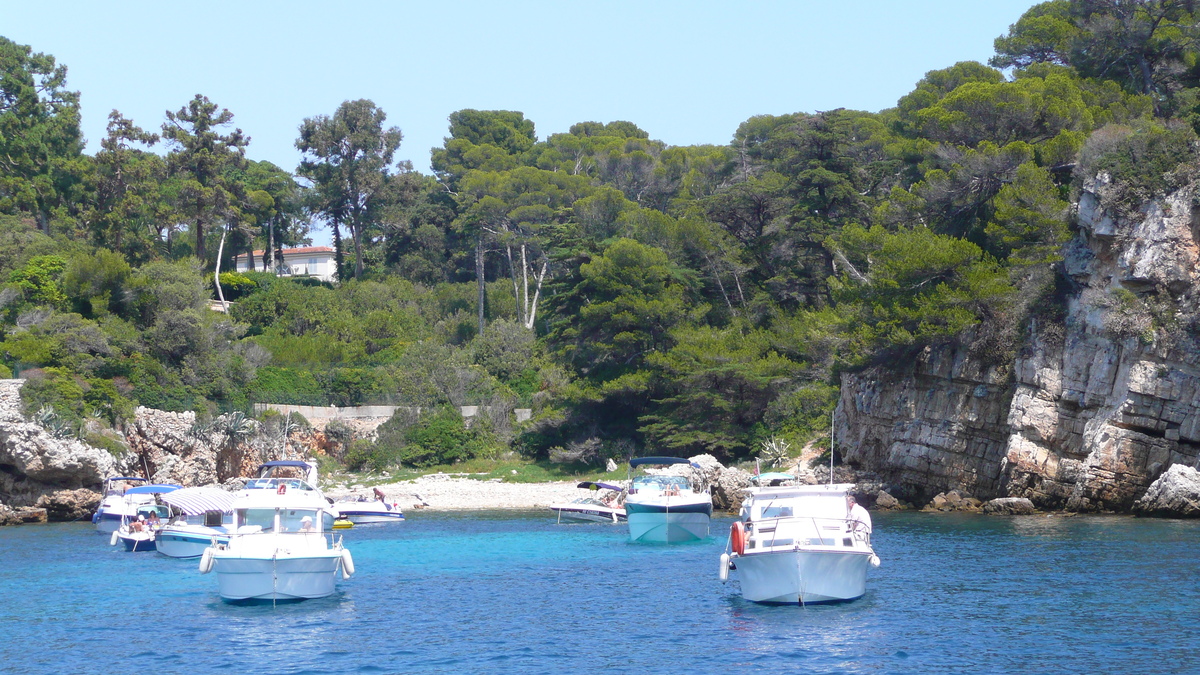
{"x":537,"y":290}
{"x":270,"y":245}
{"x":217,"y":271}
{"x":338,"y":259}
{"x":356,"y":235}
{"x":200,"y":240}
{"x":479,"y":278}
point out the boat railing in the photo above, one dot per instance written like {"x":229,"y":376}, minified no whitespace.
{"x":808,"y":530}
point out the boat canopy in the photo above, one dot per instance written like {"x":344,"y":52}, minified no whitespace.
{"x":773,"y":475}
{"x":638,"y":461}
{"x":196,"y":501}
{"x":599,"y":486}
{"x":293,"y":463}
{"x":153,"y":489}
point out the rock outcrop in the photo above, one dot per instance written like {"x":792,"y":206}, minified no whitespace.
{"x":1176,"y":494}
{"x":1090,"y":413}
{"x":1009,"y":506}
{"x":34,"y":463}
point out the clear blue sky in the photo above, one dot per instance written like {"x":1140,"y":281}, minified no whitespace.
{"x":686,"y":72}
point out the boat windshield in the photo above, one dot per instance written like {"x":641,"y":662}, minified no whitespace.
{"x":162,"y":511}
{"x":274,"y":483}
{"x":660,"y":483}
{"x":263,"y":518}
{"x":293,"y":520}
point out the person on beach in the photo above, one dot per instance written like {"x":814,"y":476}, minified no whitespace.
{"x":859,"y":519}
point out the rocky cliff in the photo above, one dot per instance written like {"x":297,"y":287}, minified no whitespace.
{"x":43,"y":476}
{"x":1090,"y":413}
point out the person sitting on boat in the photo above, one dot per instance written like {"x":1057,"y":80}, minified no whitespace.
{"x":152,"y":522}
{"x":306,"y":524}
{"x":857,"y":517}
{"x":138,"y":525}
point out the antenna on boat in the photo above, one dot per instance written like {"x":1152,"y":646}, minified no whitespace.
{"x":832,"y":429}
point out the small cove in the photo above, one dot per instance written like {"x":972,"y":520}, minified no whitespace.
{"x":511,"y":591}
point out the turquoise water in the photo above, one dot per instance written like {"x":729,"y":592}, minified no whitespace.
{"x":515,"y":593}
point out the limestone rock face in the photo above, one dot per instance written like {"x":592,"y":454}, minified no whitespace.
{"x":1088,"y":415}
{"x":70,"y":505}
{"x":164,"y":441}
{"x":34,"y":463}
{"x":1176,"y":493}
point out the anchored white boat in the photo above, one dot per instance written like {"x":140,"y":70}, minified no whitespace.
{"x":666,"y":509}
{"x":279,"y":548}
{"x":122,"y":497}
{"x":202,"y":516}
{"x":363,"y":511}
{"x":798,"y":545}
{"x":296,"y":475}
{"x":606,"y":509}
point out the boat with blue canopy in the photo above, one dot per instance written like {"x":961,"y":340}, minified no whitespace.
{"x":122,"y":497}
{"x":145,"y":512}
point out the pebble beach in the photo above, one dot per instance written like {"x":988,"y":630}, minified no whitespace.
{"x":443,"y":492}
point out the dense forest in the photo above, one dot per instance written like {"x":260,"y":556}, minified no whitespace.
{"x":638,"y":296}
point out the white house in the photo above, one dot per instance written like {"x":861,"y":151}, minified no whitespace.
{"x":308,"y":261}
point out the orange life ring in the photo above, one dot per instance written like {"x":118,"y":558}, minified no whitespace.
{"x":737,"y":537}
{"x":282,"y":489}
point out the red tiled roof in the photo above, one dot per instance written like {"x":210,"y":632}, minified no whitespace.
{"x":294,"y":251}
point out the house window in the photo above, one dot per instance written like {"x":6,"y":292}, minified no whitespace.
{"x":312,"y":261}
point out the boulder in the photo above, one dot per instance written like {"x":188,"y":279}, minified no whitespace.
{"x":70,"y":505}
{"x":886,"y":502}
{"x":953,"y":501}
{"x":1009,"y":506}
{"x":1175,"y":494}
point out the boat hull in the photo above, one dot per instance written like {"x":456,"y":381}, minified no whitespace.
{"x":668,"y":524}
{"x":137,"y":543}
{"x":369,"y":517}
{"x":107,"y":522}
{"x":588,"y":515}
{"x":283,"y":578}
{"x":188,"y":541}
{"x":802,"y":576}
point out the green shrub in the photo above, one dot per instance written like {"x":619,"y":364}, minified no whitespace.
{"x":234,"y":285}
{"x":289,"y":386}
{"x":441,"y":438}
{"x":364,"y":454}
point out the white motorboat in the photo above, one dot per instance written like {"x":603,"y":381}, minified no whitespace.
{"x":798,"y":545}
{"x":605,"y":509}
{"x":296,"y":475}
{"x":279,"y":548}
{"x":363,"y":511}
{"x":666,"y":509}
{"x":122,"y":497}
{"x":138,"y":532}
{"x":201,"y":517}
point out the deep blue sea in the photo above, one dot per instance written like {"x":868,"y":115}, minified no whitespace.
{"x":512,"y":592}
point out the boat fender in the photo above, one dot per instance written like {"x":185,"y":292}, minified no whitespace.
{"x":206,"y":561}
{"x":112,"y":541}
{"x":874,"y":560}
{"x":347,"y":564}
{"x":737,"y":537}
{"x":723,"y":574}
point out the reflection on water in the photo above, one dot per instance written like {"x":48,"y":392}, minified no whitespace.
{"x":516,"y":593}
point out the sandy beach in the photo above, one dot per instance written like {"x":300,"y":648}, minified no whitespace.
{"x":449,"y":492}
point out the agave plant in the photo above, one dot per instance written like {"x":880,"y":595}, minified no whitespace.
{"x":775,"y":452}
{"x":236,"y":426}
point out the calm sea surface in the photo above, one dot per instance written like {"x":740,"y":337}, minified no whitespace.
{"x":512,"y":592}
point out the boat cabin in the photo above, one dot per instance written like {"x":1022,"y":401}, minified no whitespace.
{"x":801,"y":515}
